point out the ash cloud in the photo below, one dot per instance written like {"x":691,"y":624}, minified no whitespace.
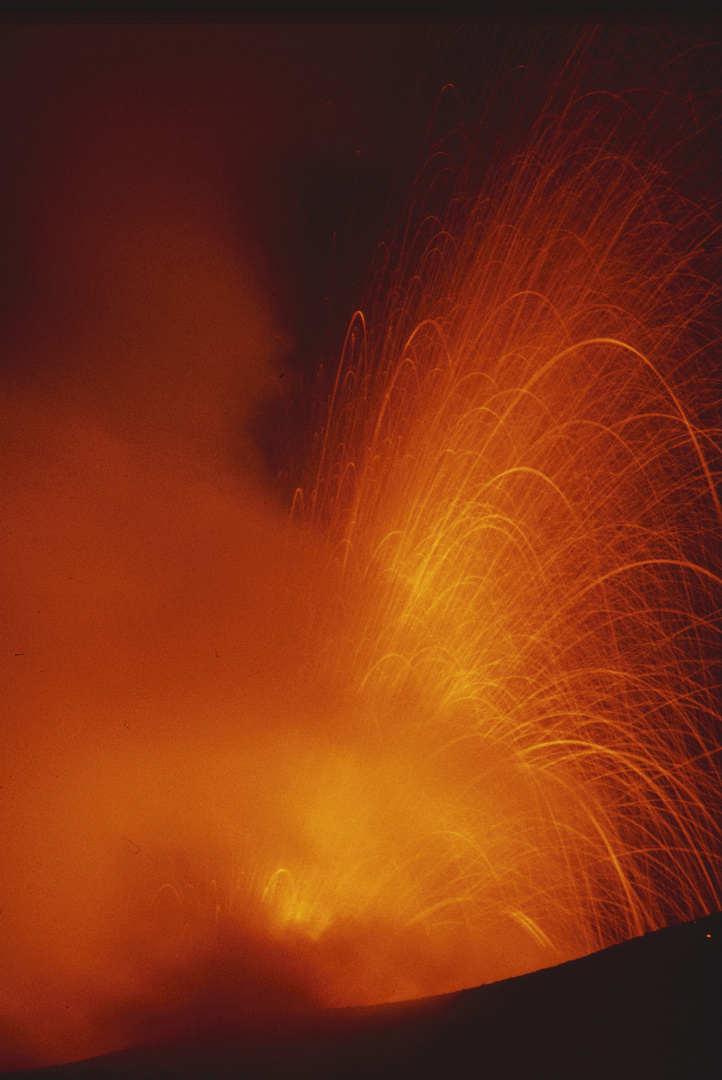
{"x":153,"y":629}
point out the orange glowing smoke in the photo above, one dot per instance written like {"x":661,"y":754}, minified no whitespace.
{"x":456,"y":720}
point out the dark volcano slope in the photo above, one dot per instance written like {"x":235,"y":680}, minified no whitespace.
{"x":648,"y":1009}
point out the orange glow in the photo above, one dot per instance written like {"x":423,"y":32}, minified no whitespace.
{"x":516,"y":482}
{"x":451,"y":719}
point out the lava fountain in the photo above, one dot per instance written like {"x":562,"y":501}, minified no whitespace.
{"x":454,"y":717}
{"x":514,"y":472}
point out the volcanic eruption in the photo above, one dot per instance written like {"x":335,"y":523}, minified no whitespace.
{"x":436,"y":705}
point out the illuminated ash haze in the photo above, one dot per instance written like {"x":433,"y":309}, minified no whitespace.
{"x":345,"y":667}
{"x":155,"y":680}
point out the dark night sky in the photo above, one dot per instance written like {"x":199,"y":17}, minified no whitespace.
{"x":298,"y":123}
{"x":309,"y":134}
{"x":305,"y":137}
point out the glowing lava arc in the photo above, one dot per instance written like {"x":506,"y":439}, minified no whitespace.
{"x":516,"y":482}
